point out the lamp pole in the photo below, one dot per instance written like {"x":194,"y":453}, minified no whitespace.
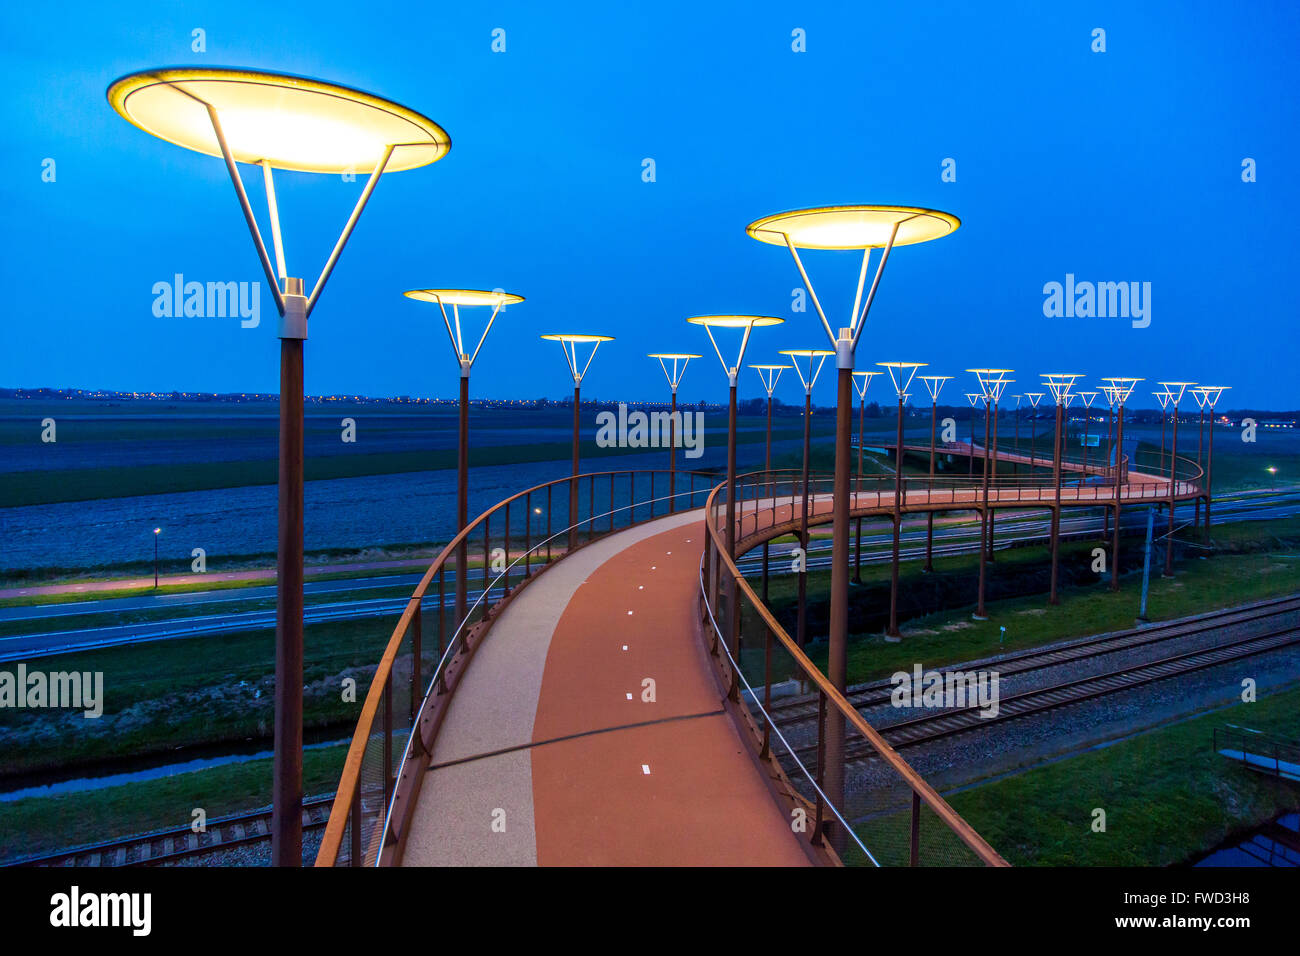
{"x":858,"y":228}
{"x":933,"y":385}
{"x":861,"y":382}
{"x":156,"y":532}
{"x":770,"y":374}
{"x":900,"y":375}
{"x":346,"y":129}
{"x":1119,"y":391}
{"x":807,"y":381}
{"x":1059,"y":384}
{"x":674,"y":379}
{"x":991,"y":382}
{"x":1201,"y":398}
{"x":1213,"y":394}
{"x":465,"y":359}
{"x":997,"y":398}
{"x":1015,"y":464}
{"x":1034,"y":399}
{"x":1176,"y":390}
{"x":569,"y":343}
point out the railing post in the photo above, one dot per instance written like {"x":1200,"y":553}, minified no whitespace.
{"x":487,"y":563}
{"x":506,"y":572}
{"x":767,"y":692}
{"x":356,"y":853}
{"x":916,"y":828}
{"x":442,"y":624}
{"x":417,"y":648}
{"x":821,"y":766}
{"x":528,"y":533}
{"x":388,"y":742}
{"x":548,"y":522}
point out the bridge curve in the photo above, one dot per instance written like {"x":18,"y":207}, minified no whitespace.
{"x":608,"y":720}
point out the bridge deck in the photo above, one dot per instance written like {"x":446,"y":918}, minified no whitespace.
{"x":550,"y":727}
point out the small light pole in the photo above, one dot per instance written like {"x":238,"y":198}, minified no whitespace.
{"x":861,"y":382}
{"x":1059,"y":384}
{"x":1015,"y":464}
{"x":674,"y":379}
{"x":933,"y":385}
{"x":770,"y":374}
{"x":1163,"y":398}
{"x":569,"y":346}
{"x":1119,"y":390}
{"x":465,"y":362}
{"x":156,"y":532}
{"x":992,"y":382}
{"x":1176,"y":390}
{"x":1087,"y":398}
{"x":900,"y":375}
{"x":807,"y":381}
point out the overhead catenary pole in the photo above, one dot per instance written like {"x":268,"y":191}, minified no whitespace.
{"x":807,"y":381}
{"x":846,"y":228}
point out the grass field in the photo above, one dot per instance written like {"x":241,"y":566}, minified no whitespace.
{"x":1167,"y":796}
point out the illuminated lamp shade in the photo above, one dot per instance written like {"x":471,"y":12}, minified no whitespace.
{"x":852,"y":227}
{"x":734,"y":321}
{"x":578,"y":339}
{"x":288,"y":122}
{"x":465,"y":297}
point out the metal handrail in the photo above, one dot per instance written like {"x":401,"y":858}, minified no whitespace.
{"x":346,"y":807}
{"x":716,"y":549}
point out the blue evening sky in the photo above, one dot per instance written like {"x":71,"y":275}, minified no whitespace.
{"x":1117,"y":166}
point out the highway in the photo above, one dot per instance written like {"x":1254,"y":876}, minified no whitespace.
{"x":1011,"y":528}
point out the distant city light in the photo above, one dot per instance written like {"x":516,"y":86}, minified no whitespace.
{"x":1271,"y":470}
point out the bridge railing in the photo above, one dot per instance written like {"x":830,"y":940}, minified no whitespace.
{"x":505,"y":547}
{"x":815,"y":740}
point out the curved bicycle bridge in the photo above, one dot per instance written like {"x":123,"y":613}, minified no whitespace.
{"x":611,"y":718}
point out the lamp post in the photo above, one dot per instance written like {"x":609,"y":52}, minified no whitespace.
{"x":1163,"y":398}
{"x":1034,"y":399}
{"x":770,"y":374}
{"x":156,"y":532}
{"x":1059,"y":384}
{"x":991,"y":382}
{"x":746,"y":324}
{"x":1198,"y":393}
{"x":997,"y":398}
{"x":807,"y":381}
{"x":1087,"y":398}
{"x":277,"y":121}
{"x":933,"y":385}
{"x":1015,"y":463}
{"x":1213,"y":393}
{"x":569,"y":343}
{"x":1176,"y":390}
{"x":674,"y":379}
{"x":1120,"y":390}
{"x":901,"y":375}
{"x":465,"y":359}
{"x":861,"y":382}
{"x":1109,"y":391}
{"x":857,"y":228}
{"x":975,"y":398}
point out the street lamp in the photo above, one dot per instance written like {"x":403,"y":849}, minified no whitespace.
{"x":465,"y":360}
{"x":992,"y":382}
{"x":1059,"y":384}
{"x":1212,"y":394}
{"x":900,"y":374}
{"x":1119,"y":390}
{"x":1163,"y":398}
{"x":933,"y":385}
{"x":974,"y":398}
{"x":569,"y":346}
{"x":861,"y":382}
{"x":674,"y":379}
{"x":278,"y":121}
{"x":1034,"y":399}
{"x":156,"y":532}
{"x":807,"y":381}
{"x":1087,"y":398}
{"x":770,"y":374}
{"x":846,"y":228}
{"x":1176,"y":390}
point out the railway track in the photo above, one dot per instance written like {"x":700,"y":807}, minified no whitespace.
{"x":179,"y":843}
{"x":877,"y":693}
{"x":933,"y":726}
